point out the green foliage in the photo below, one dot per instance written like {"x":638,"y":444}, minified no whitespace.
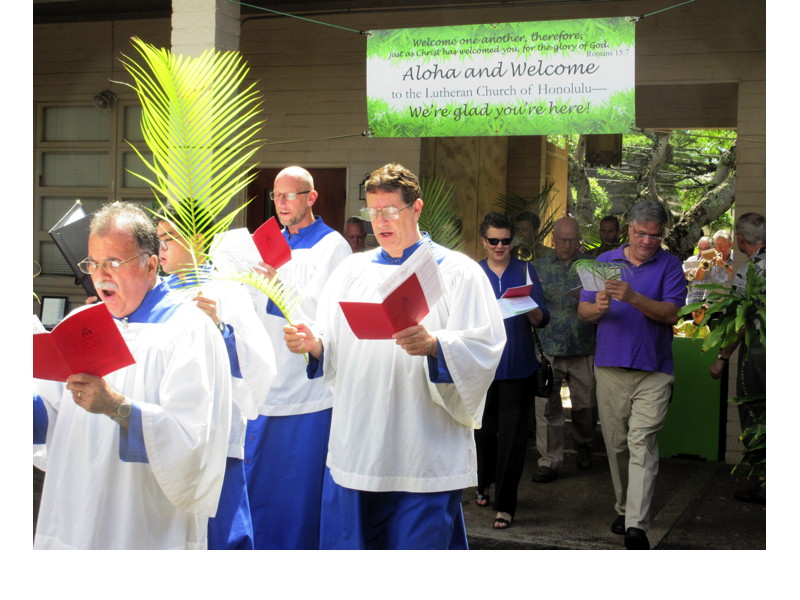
{"x":736,"y":314}
{"x":437,"y":216}
{"x":201,"y":129}
{"x":740,"y":316}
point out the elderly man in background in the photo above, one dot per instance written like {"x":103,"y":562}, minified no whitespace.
{"x":719,"y":269}
{"x":135,"y":460}
{"x":568,"y":344}
{"x":355,"y":234}
{"x":704,"y":244}
{"x":633,"y":362}
{"x":401,"y":447}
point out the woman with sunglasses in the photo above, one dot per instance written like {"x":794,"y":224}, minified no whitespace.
{"x":502,"y":440}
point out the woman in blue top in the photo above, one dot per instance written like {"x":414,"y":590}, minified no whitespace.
{"x":502,"y":440}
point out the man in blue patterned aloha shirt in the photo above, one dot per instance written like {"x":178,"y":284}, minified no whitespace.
{"x":569,"y":345}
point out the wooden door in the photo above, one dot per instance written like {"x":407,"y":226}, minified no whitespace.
{"x":331,"y":184}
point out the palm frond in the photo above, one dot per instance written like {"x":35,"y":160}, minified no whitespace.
{"x":600,"y":270}
{"x":285,"y":298}
{"x":438,"y":217}
{"x":201,"y":129}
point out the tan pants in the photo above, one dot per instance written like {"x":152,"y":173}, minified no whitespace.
{"x":577,"y":370}
{"x":632,"y":406}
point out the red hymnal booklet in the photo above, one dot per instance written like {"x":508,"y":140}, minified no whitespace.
{"x":85,"y":342}
{"x":271,"y":244}
{"x":404,"y":307}
{"x":519,"y":291}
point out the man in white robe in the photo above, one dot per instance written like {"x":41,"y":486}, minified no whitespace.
{"x":285,"y":448}
{"x":252,"y":366}
{"x":135,"y":460}
{"x":401,"y":448}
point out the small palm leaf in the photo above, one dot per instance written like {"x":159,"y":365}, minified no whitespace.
{"x":285,"y":298}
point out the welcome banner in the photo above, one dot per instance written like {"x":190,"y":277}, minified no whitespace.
{"x":551,"y":77}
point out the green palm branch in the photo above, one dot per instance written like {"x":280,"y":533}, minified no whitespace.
{"x":437,"y":217}
{"x":285,"y":298}
{"x":600,"y":270}
{"x":201,"y":129}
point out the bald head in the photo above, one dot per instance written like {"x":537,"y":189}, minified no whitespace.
{"x":566,"y":236}
{"x":294,"y":195}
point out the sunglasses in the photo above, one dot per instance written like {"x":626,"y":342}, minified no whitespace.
{"x":495,"y":241}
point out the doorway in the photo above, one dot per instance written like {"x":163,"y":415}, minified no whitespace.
{"x":331,"y":184}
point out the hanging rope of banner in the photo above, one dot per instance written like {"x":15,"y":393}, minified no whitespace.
{"x":277,"y":12}
{"x":655,"y":12}
{"x":366,"y":133}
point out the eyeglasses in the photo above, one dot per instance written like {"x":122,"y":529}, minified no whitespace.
{"x":89,"y":266}
{"x":390,"y":213}
{"x":287,"y":195}
{"x":566,"y":240}
{"x":646,"y":236}
{"x":495,"y":241}
{"x":162,"y":242}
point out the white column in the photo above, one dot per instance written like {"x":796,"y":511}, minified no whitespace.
{"x":199,"y":25}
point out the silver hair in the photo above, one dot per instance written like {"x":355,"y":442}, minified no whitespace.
{"x":753,"y":227}
{"x":648,"y":211}
{"x":128,"y":216}
{"x":723,"y":233}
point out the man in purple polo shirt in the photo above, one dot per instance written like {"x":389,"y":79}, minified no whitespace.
{"x":633,"y":362}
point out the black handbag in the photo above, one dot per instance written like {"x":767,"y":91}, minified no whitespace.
{"x":543,"y":377}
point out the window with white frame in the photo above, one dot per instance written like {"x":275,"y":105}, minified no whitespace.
{"x":83,"y":152}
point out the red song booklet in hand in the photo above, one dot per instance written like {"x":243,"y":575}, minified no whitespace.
{"x":85,"y":342}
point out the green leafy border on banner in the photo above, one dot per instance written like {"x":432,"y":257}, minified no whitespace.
{"x":611,"y":117}
{"x":618,"y":32}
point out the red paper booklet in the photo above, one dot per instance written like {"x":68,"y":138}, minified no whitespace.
{"x":271,"y":244}
{"x":404,"y":307}
{"x":519,"y":291}
{"x":86,"y":342}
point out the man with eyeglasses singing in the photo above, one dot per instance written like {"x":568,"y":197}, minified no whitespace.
{"x":285,"y":447}
{"x":135,"y":460}
{"x":401,"y":448}
{"x":633,"y":362}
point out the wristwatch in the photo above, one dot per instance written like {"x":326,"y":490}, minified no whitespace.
{"x":221,"y":326}
{"x":123,"y":412}
{"x":722,"y":358}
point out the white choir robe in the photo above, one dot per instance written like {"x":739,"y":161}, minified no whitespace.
{"x":392,"y":428}
{"x":292,"y":392}
{"x":254,"y":350}
{"x":181,"y":383}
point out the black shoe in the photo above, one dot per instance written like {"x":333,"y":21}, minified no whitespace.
{"x":584,"y":458}
{"x":544,"y":474}
{"x":618,"y":526}
{"x":636,"y":539}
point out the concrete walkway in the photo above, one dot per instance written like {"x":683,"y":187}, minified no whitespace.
{"x":693,"y":508}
